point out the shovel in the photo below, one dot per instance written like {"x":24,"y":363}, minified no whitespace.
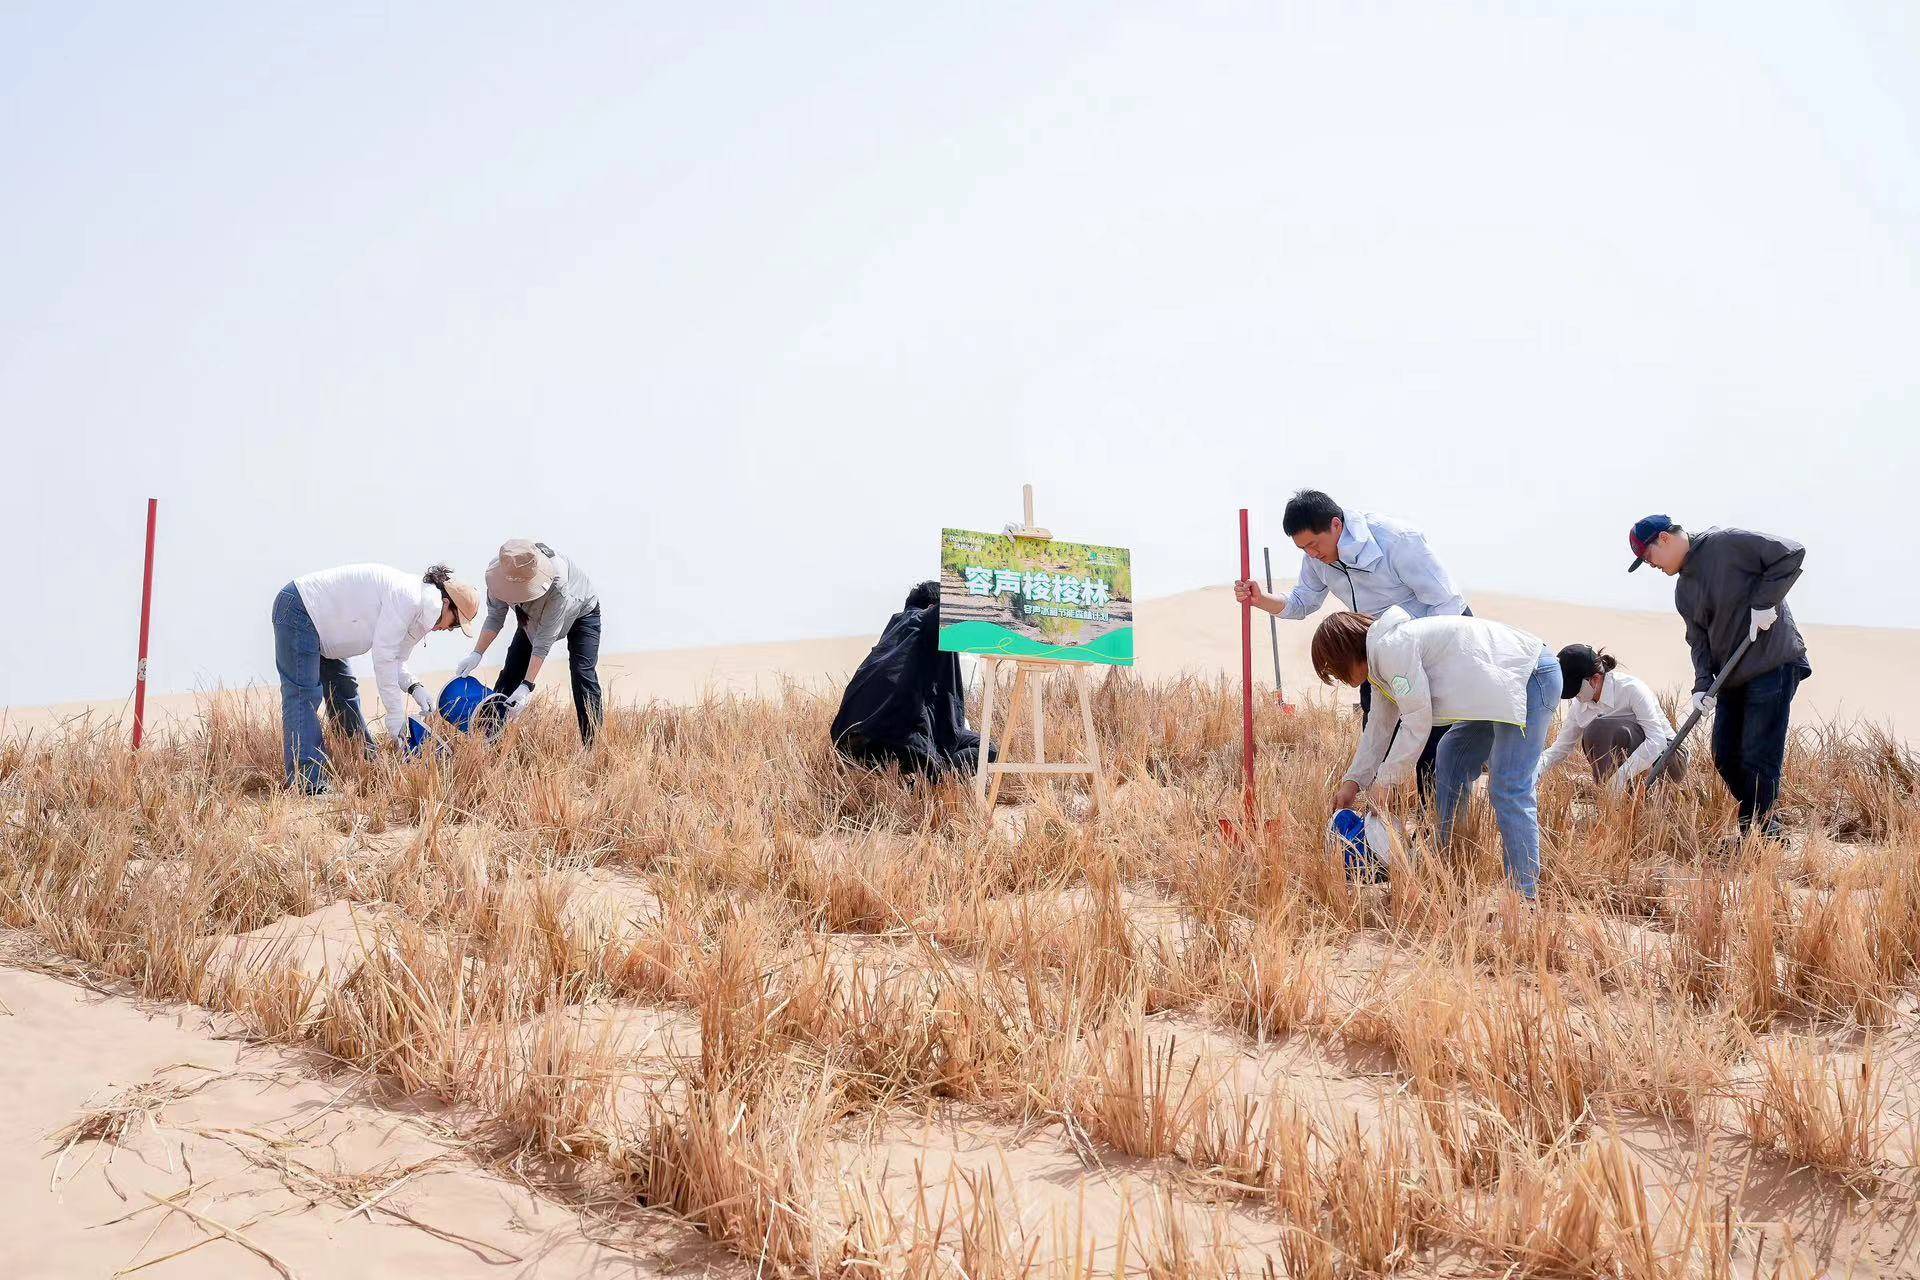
{"x":1250,"y":827}
{"x":1713,"y":691}
{"x":1273,"y":632}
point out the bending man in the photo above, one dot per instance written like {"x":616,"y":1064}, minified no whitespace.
{"x":553,"y":599}
{"x":1371,"y":563}
{"x":1733,"y":586}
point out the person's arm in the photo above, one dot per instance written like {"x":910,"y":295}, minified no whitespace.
{"x":392,"y":641}
{"x":1373,"y":743}
{"x":1563,"y":742}
{"x":489,"y":629}
{"x":1307,"y":595}
{"x":1654,"y":723}
{"x":547,"y":630}
{"x":1413,"y":560}
{"x":469,"y":664}
{"x":1775,"y":561}
{"x":1407,"y":678}
{"x":543,"y":633}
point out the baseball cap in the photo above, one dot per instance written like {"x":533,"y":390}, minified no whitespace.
{"x":1641,"y":536}
{"x":1578,"y":663}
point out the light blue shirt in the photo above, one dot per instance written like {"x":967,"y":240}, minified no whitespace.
{"x":1383,"y":562}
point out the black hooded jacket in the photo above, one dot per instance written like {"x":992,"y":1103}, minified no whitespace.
{"x":905,"y":702}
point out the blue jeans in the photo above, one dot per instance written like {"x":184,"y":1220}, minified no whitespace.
{"x":306,"y":680}
{"x":1750,"y":741}
{"x":1511,"y":754}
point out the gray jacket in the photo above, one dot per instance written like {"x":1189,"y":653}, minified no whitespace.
{"x":550,"y":616}
{"x":1729,"y":573}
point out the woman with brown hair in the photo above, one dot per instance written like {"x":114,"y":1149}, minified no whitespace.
{"x":1497,"y":687}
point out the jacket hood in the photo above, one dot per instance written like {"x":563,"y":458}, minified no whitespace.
{"x":1389,"y":622}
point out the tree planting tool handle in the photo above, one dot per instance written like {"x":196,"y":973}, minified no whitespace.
{"x":1273,"y":626}
{"x":1713,"y":691}
{"x":1246,"y":666}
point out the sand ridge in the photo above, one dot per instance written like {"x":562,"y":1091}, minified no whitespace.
{"x":1189,"y":633}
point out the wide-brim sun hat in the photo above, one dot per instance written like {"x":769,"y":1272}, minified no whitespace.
{"x":466,"y":602}
{"x":521,"y":572}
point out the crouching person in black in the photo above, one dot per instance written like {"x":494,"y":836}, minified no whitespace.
{"x":905,"y":703}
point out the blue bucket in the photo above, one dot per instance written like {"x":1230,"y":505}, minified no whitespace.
{"x":417,"y":737}
{"x":466,"y":701}
{"x":1364,"y":863}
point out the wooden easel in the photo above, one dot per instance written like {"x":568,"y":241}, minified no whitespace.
{"x":1039,"y":669}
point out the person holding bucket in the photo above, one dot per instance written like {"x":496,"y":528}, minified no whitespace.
{"x":322,"y":619}
{"x":1495,"y":685}
{"x":553,"y":599}
{"x":1612,"y":717}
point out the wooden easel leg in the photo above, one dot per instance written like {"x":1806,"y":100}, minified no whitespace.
{"x":1093,"y":745}
{"x":990,"y":676}
{"x":1039,"y":721}
{"x":1006,"y":736}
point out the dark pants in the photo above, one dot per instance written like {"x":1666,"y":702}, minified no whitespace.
{"x":1423,"y":771}
{"x":1750,"y":741}
{"x":583,"y":660}
{"x":307,"y":680}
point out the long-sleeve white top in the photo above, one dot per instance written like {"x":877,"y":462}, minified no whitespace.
{"x":1619,"y":695}
{"x":375,"y":609}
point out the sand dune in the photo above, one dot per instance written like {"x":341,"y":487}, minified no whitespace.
{"x":320,"y":1173}
{"x":326,"y":1170}
{"x":1856,"y":669}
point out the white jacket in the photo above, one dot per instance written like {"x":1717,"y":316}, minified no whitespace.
{"x":372,"y":608}
{"x":1438,"y":670}
{"x":1620,"y":695}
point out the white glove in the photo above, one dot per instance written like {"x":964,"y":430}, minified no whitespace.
{"x":1617,"y":783}
{"x":1703,"y":702}
{"x":468,"y":665}
{"x":1762,"y":619}
{"x":517,"y":701}
{"x":420,"y":695}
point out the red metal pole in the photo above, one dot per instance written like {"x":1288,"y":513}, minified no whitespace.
{"x":146,"y":613}
{"x":1246,"y":666}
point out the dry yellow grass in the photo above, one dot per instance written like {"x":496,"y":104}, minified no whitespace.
{"x":696,"y":962}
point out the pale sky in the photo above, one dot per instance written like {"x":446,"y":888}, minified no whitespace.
{"x":738,"y":305}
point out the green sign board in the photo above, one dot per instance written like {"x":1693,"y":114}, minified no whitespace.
{"x":1038,"y":598}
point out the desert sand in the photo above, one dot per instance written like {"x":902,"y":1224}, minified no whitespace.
{"x":200,"y":1151}
{"x":1855,"y":677}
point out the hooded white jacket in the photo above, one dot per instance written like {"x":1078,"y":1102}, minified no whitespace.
{"x":371,"y":608}
{"x":1438,"y":670}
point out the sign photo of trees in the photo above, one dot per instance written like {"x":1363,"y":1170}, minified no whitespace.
{"x":1035,"y":598}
